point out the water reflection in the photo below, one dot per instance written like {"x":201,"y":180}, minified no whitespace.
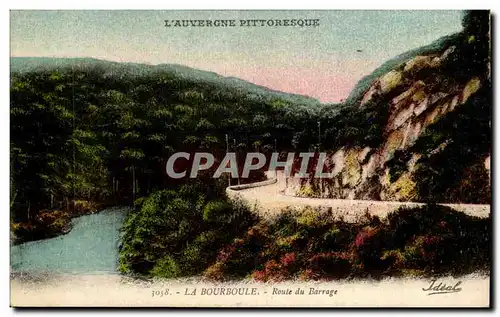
{"x":90,"y":247}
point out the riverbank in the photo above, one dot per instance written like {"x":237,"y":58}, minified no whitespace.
{"x":53,"y":223}
{"x":80,"y":269}
{"x":90,"y":247}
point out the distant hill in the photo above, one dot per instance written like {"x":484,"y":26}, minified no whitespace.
{"x":30,"y":64}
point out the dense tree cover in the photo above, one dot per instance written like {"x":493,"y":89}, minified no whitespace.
{"x":87,"y":131}
{"x":95,"y":131}
{"x":84,"y":129}
{"x":174,"y":233}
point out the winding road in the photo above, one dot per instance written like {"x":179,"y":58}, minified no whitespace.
{"x":79,"y":269}
{"x":269,"y":199}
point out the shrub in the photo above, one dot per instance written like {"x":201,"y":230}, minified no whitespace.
{"x":288,"y":259}
{"x":284,"y":224}
{"x":215,"y":272}
{"x":215,"y":210}
{"x":331,"y":264}
{"x":273,"y":271}
{"x":338,"y":237}
{"x":436,"y":238}
{"x":368,"y":246}
{"x":84,"y":206}
{"x":246,"y":254}
{"x":429,"y":240}
{"x":186,"y":227}
{"x":198,"y":253}
{"x":310,"y":218}
{"x":395,"y":261}
{"x":47,"y":224}
{"x":139,"y":202}
{"x":289,"y":243}
{"x":308,"y":274}
{"x":166,"y":267}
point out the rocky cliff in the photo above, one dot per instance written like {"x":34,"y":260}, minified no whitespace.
{"x":435,"y":136}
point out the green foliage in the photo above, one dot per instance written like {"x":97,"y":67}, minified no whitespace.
{"x":178,"y":232}
{"x":214,"y":209}
{"x":166,"y":267}
{"x":425,"y":241}
{"x":102,"y":131}
{"x":81,"y":131}
{"x":397,"y":165}
{"x":454,"y":174}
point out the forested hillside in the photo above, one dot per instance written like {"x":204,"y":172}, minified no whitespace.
{"x":82,"y":130}
{"x":86,"y":132}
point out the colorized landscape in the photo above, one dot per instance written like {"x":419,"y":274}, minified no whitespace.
{"x":409,"y":151}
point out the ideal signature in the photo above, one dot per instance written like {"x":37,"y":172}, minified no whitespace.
{"x":442,"y":288}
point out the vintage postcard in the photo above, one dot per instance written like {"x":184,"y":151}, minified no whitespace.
{"x":272,"y":158}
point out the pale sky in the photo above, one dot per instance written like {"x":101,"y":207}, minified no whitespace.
{"x":320,"y":62}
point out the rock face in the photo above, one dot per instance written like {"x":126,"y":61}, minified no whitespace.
{"x":420,"y":94}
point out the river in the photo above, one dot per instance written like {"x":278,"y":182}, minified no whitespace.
{"x":91,"y":247}
{"x":80,"y":269}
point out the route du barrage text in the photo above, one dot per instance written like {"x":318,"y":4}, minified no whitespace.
{"x":243,"y":291}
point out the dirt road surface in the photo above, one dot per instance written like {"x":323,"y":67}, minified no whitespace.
{"x":268,"y":197}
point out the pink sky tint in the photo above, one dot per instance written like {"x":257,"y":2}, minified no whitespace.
{"x":327,"y":83}
{"x":326,"y":87}
{"x":324,"y":62}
